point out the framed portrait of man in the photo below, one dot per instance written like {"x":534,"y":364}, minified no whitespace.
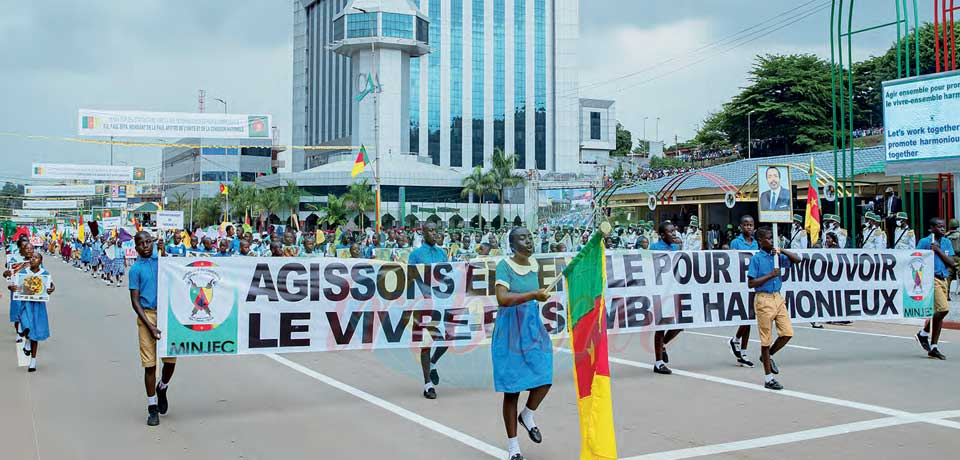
{"x":775,"y":199}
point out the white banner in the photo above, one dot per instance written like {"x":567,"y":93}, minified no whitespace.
{"x":110,"y":223}
{"x":243,"y":305}
{"x":24,"y":220}
{"x":59,"y":190}
{"x":173,"y":125}
{"x":921,"y":117}
{"x":106,"y":173}
{"x":50,"y":204}
{"x":168,"y":220}
{"x":33,"y":213}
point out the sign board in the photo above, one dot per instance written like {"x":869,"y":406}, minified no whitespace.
{"x":32,"y":286}
{"x":774,"y":193}
{"x":921,"y":118}
{"x":110,"y":223}
{"x":167,"y":220}
{"x":98,"y":172}
{"x":32,"y":213}
{"x":117,"y":202}
{"x":50,"y":204}
{"x":59,"y":190}
{"x":24,"y":220}
{"x":175,"y":125}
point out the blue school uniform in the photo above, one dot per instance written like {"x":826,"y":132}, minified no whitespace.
{"x":521,"y":349}
{"x":176,"y":250}
{"x":12,"y":258}
{"x":118,"y":260}
{"x":740,"y":244}
{"x":95,"y":252}
{"x":33,"y":315}
{"x":85,"y":254}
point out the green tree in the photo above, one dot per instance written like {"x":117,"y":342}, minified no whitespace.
{"x":266,"y":202}
{"x":504,"y":176}
{"x":179,"y":201}
{"x":711,"y":135}
{"x":480,"y":184}
{"x":335,"y":213}
{"x":289,"y":199}
{"x":359,"y":198}
{"x":667,"y":163}
{"x":624,"y":142}
{"x":618,"y":173}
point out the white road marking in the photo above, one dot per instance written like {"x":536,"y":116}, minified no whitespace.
{"x":801,"y":347}
{"x":873,"y":334}
{"x":787,"y":438}
{"x":384,"y":404}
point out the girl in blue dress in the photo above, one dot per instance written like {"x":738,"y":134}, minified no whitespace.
{"x":85,"y":256}
{"x":33,"y":314}
{"x":521,"y":348}
{"x":15,"y":262}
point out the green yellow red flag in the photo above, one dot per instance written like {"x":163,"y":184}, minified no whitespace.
{"x":361,"y":163}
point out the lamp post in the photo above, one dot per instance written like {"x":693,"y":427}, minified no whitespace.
{"x":645,"y":128}
{"x":658,"y":129}
{"x":749,"y":137}
{"x":222,"y":102}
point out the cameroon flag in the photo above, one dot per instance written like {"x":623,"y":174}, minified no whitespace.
{"x":812,"y":219}
{"x":586,"y":279}
{"x":361,"y":163}
{"x":81,"y":235}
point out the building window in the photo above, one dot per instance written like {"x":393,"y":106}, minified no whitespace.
{"x":433,"y":85}
{"x":398,"y":25}
{"x":415,"y":90}
{"x":256,"y":152}
{"x":479,"y":73}
{"x":337,"y":29}
{"x":456,"y":83}
{"x":520,"y":84}
{"x":595,"y":126}
{"x":499,"y":69}
{"x":540,"y":83}
{"x":361,"y":25}
{"x":248,"y":176}
{"x":214,"y":176}
{"x":423,"y":29}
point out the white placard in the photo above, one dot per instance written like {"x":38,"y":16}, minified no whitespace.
{"x":32,"y":213}
{"x":168,"y":220}
{"x":921,"y":117}
{"x":107,"y":173}
{"x":774,"y":193}
{"x":59,"y":190}
{"x":50,"y":204}
{"x":173,"y":125}
{"x":110,"y":223}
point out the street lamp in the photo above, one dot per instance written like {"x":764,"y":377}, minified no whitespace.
{"x":658,"y":129}
{"x":224,"y":104}
{"x":645,"y":128}
{"x":749,"y":138}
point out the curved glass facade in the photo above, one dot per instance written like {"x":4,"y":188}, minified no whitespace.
{"x":520,"y":84}
{"x":540,"y":83}
{"x":478,"y":78}
{"x":433,"y":85}
{"x":456,"y":83}
{"x":499,"y":71}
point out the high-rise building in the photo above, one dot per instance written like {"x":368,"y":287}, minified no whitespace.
{"x":499,"y":74}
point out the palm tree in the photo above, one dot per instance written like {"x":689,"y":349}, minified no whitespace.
{"x":480,"y":184}
{"x":335,"y":213}
{"x":502,"y":169}
{"x":242,"y":197}
{"x":290,"y":200}
{"x":179,"y":201}
{"x":359,"y":198}
{"x":266,"y":201}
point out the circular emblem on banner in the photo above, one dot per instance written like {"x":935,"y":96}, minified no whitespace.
{"x":652,"y":202}
{"x":202,"y":310}
{"x":829,"y":192}
{"x":730,"y":199}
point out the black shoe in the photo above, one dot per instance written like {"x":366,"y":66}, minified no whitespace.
{"x":662,"y":369}
{"x":162,"y":404}
{"x":517,"y":457}
{"x":26,"y":352}
{"x":924,"y":342}
{"x":744,"y":362}
{"x":153,"y":417}
{"x":935,"y":354}
{"x":816,"y":325}
{"x":666,"y":359}
{"x":534,"y":433}
{"x":434,"y":377}
{"x":773,"y":385}
{"x":34,"y":369}
{"x":773,"y":366}
{"x":735,"y":349}
{"x":430,"y":394}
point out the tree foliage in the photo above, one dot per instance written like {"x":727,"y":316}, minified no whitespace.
{"x":504,"y":176}
{"x":624,"y":142}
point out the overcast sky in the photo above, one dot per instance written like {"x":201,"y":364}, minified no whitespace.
{"x":656,"y":58}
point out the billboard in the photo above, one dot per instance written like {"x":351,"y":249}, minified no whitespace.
{"x":59,"y":190}
{"x":921,"y":118}
{"x":32,"y":213}
{"x":50,"y":204}
{"x":106,"y":173}
{"x":176,"y":125}
{"x":565,"y":207}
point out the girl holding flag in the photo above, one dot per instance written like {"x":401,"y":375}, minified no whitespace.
{"x":521,"y":348}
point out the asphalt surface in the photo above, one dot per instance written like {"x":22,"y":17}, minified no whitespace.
{"x":854,"y":392}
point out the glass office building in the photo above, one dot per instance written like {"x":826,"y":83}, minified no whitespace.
{"x":500,"y":74}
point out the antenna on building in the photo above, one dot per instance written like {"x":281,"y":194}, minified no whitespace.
{"x":201,"y":100}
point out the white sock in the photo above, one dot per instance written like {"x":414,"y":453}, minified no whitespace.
{"x":33,"y":363}
{"x":152,"y":400}
{"x":163,"y":386}
{"x":933,"y":346}
{"x":768,"y":378}
{"x":513,"y":446}
{"x":433,"y":366}
{"x":427,"y":386}
{"x":527,"y":415}
{"x":924,"y":333}
{"x":26,"y":345}
{"x":659,"y":363}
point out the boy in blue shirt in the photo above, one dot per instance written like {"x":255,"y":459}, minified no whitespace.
{"x":429,"y":253}
{"x":942,"y":264}
{"x":744,"y":242}
{"x":668,"y":242}
{"x":769,"y":305}
{"x":143,"y":298}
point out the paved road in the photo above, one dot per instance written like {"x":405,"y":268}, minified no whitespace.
{"x":858,"y":392}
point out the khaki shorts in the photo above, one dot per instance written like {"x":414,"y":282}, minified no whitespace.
{"x":940,"y":288}
{"x":771,"y":308}
{"x":148,"y":345}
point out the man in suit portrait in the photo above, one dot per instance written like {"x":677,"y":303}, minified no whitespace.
{"x":777,"y":198}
